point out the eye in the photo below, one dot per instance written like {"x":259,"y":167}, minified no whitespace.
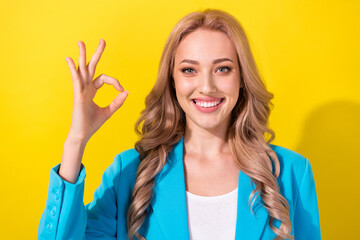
{"x":187,"y":70}
{"x":224,"y":69}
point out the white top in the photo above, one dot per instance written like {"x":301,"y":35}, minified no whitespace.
{"x":212,"y":218}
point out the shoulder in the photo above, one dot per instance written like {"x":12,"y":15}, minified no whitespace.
{"x":128,"y":157}
{"x":127,"y":161}
{"x":290,"y":160}
{"x":123,"y":160}
{"x":122,"y":171}
{"x":293,"y":167}
{"x":297,"y":185}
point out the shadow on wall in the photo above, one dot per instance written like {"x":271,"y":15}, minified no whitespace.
{"x":331,"y":142}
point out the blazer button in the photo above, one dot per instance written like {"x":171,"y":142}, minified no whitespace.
{"x":53,"y":211}
{"x":49,"y":227}
{"x":56,"y":194}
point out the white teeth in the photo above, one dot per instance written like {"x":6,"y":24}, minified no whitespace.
{"x":207,"y":104}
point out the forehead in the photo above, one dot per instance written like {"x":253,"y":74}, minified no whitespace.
{"x":205,"y":45}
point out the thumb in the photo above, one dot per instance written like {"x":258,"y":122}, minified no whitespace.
{"x":116,"y":103}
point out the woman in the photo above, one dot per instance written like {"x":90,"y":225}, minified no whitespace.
{"x":203,"y":168}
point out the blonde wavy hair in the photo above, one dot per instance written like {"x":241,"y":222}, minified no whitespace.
{"x":162,"y":124}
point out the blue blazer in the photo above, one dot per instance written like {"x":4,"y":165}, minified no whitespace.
{"x":66,"y":217}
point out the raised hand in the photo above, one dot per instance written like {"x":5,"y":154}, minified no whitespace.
{"x":87,"y":116}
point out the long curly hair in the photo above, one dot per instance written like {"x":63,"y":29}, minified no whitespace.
{"x":162,"y":124}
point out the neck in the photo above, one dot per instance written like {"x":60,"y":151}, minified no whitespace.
{"x":206,"y":142}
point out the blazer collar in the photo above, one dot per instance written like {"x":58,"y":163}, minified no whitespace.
{"x":170,"y":206}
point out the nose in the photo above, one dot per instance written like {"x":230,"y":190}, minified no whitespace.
{"x":207,"y":84}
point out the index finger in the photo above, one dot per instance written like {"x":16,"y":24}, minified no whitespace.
{"x":74,"y":74}
{"x":96,"y":57}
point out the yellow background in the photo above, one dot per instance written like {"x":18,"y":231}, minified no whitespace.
{"x":307,"y":51}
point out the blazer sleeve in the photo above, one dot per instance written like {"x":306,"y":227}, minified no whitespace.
{"x":306,"y":213}
{"x":65,"y":215}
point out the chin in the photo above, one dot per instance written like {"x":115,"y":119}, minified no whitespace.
{"x":208,"y":124}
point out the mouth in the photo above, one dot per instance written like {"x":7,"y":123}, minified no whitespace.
{"x":207,"y":105}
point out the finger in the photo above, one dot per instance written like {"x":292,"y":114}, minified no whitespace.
{"x":116,"y":103}
{"x":96,"y":57}
{"x":74,"y":74}
{"x":100,"y":80}
{"x":82,"y":62}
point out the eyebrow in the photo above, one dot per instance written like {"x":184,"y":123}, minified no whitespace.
{"x":219,"y":60}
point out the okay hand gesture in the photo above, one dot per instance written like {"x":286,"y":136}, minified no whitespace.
{"x":87,"y":116}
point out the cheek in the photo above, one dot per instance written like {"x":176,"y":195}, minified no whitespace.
{"x":231,"y":88}
{"x":183,"y":88}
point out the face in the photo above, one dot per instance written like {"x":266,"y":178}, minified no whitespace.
{"x":207,"y":78}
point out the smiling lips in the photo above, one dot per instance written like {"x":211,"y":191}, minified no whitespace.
{"x":208,"y":104}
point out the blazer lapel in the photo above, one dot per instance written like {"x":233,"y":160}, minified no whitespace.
{"x":249,"y":225}
{"x":169,"y":202}
{"x":170,"y":207}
